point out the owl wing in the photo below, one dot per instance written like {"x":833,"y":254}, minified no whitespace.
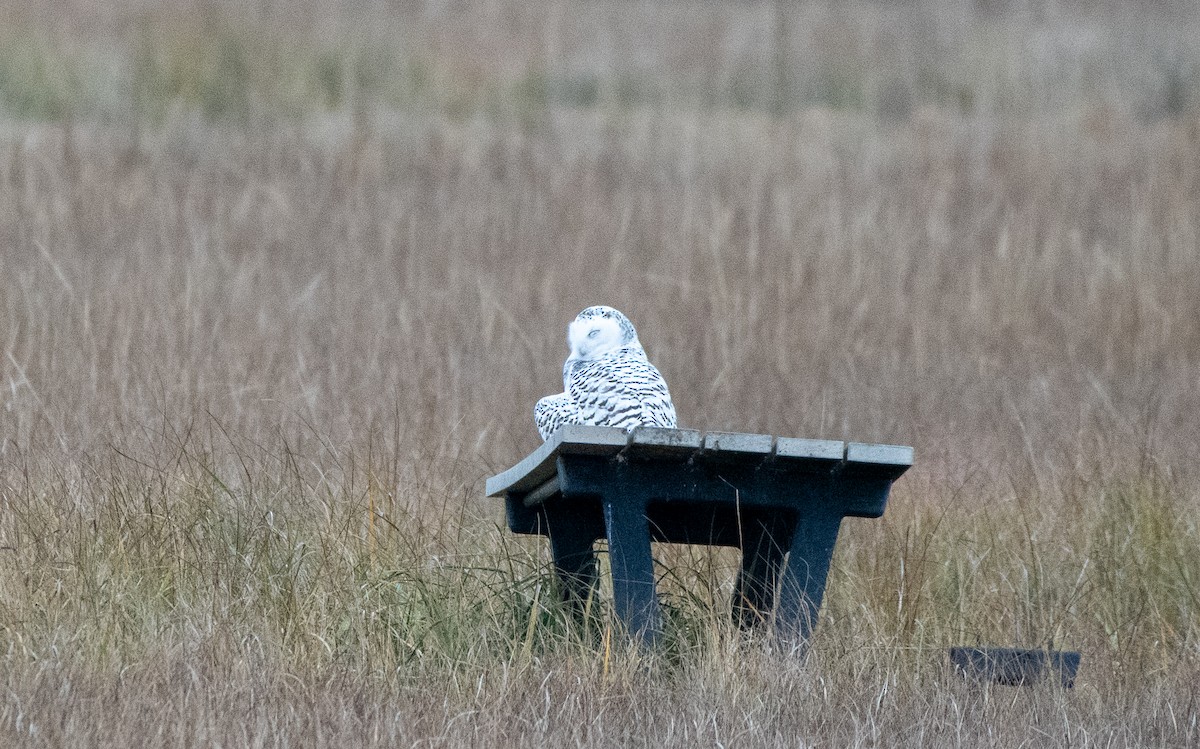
{"x":623,"y":390}
{"x":552,"y":412}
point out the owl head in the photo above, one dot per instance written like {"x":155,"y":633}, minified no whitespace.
{"x":597,"y":331}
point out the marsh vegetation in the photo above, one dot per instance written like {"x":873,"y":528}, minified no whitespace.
{"x":280,"y":283}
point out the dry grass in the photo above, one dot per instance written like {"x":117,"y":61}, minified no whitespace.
{"x":277,"y":293}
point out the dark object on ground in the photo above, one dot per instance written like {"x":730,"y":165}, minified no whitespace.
{"x":768,"y":496}
{"x":1016,"y":666}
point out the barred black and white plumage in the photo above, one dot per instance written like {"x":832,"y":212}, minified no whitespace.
{"x":607,"y":379}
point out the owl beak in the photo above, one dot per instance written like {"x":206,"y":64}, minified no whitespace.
{"x":579,"y":351}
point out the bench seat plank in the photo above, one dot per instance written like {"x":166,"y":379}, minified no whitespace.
{"x":737,"y":444}
{"x":660,"y":442}
{"x":794,"y":447}
{"x":539,"y":465}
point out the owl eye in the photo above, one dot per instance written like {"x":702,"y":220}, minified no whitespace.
{"x":594,"y":333}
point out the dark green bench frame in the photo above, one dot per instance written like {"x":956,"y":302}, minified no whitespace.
{"x":780,"y":500}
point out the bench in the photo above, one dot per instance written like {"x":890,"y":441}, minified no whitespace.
{"x":780,"y":500}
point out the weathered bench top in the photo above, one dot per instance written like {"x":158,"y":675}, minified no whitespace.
{"x":689,"y":444}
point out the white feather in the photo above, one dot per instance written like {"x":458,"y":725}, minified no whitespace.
{"x":607,"y":379}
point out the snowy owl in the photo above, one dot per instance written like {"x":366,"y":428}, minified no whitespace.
{"x":607,"y":379}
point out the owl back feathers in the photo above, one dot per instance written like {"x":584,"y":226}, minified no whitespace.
{"x":618,"y":387}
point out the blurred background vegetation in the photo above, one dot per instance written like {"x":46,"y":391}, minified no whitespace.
{"x":231,"y":61}
{"x":280,"y":283}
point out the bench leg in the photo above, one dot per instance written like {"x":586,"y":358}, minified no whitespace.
{"x":634,"y":596}
{"x":803,"y":584}
{"x":763,"y":546}
{"x":572,"y":536}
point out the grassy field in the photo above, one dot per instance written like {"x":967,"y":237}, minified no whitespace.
{"x":280,"y":284}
